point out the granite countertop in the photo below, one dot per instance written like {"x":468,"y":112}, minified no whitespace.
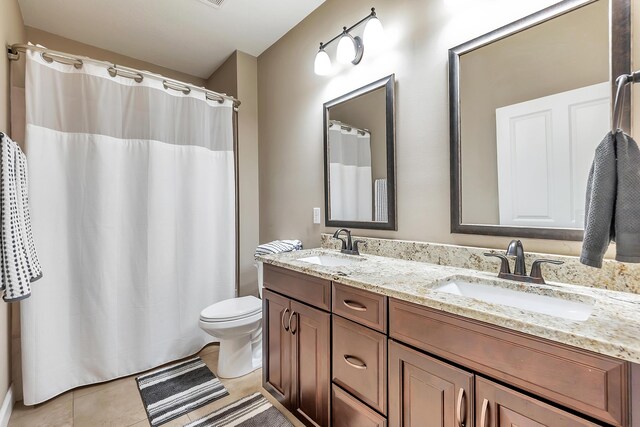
{"x":613,"y":328}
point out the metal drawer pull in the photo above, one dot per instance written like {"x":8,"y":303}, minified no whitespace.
{"x":354,"y":362}
{"x":284,"y":314}
{"x":483,"y":416}
{"x":354,"y":305}
{"x":293,"y":331}
{"x":461,"y":410}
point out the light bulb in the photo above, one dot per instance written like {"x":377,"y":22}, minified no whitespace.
{"x":373,"y":37}
{"x":322,"y":64}
{"x":346,"y":49}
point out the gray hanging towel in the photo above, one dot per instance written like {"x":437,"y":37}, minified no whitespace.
{"x":19,"y":265}
{"x":613,"y":201}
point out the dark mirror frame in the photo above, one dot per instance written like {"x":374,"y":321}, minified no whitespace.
{"x":620,"y":63}
{"x":389,"y":84}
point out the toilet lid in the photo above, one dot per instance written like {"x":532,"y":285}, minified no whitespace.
{"x":232,"y":309}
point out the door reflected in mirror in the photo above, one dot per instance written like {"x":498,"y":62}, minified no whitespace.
{"x":359,"y":152}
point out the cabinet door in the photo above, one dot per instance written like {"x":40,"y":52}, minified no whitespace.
{"x":347,"y":411}
{"x":499,"y":406}
{"x":425,"y":392}
{"x":310,"y":329}
{"x":276,"y":346}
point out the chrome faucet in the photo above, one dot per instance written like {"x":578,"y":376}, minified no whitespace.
{"x":348,"y":246}
{"x":515,"y":249}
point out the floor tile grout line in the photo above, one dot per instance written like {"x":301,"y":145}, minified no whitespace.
{"x":73,"y":395}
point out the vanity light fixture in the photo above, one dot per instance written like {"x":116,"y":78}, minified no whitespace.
{"x":322,"y":64}
{"x":350,"y":49}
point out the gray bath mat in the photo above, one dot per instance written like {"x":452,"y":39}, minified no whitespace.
{"x":172,"y":391}
{"x":251,"y":411}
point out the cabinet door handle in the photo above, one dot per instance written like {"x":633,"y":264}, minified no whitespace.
{"x":293,"y":331}
{"x":483,"y":416}
{"x":284,"y":314}
{"x":461,"y":410}
{"x":354,"y":362}
{"x":354,"y":305}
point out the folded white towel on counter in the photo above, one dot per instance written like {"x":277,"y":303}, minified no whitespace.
{"x":19,"y":265}
{"x":278,"y":246}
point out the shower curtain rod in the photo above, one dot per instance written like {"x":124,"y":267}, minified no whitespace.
{"x":49,"y":55}
{"x":347,"y":128}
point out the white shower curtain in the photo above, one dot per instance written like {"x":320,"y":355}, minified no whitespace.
{"x":350,"y":181}
{"x":132,"y":193}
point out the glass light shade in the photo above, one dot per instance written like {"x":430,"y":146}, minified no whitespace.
{"x":346,"y":49}
{"x":373,"y":37}
{"x":322,"y":64}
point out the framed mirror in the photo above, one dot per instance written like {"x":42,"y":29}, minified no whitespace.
{"x":529,"y":103}
{"x":359,"y":158}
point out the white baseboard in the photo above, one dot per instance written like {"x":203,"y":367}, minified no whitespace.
{"x":7,"y":407}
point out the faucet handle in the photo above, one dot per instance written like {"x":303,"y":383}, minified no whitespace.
{"x":536,"y":271}
{"x":504,"y":265}
{"x":355,"y":245}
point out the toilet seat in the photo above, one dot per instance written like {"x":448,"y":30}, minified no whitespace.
{"x":231,"y":309}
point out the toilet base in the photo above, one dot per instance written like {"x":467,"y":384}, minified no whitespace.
{"x":240,"y":356}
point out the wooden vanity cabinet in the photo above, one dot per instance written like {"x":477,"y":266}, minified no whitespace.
{"x":499,"y":406}
{"x":276,"y":346}
{"x":343,"y":357}
{"x":359,"y":358}
{"x":296,"y":347}
{"x":310,"y":381}
{"x":347,"y":411}
{"x":587,"y":383}
{"x":425,"y":392}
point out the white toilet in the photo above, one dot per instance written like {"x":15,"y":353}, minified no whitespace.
{"x":237,"y":322}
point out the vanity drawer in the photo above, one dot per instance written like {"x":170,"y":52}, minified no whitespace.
{"x":347,"y":411}
{"x":360,"y":362}
{"x":364,"y":307}
{"x":589,"y":383}
{"x":302,"y":287}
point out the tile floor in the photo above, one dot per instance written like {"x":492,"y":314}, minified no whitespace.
{"x":117,"y":403}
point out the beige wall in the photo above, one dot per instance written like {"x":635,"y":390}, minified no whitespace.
{"x":55,"y":42}
{"x":565,"y":53}
{"x":225,"y":78}
{"x":418,"y":33}
{"x":12,"y":31}
{"x":248,"y":170}
{"x":238,"y":76}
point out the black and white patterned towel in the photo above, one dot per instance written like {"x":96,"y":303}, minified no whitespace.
{"x":19,"y":265}
{"x":278,"y":246}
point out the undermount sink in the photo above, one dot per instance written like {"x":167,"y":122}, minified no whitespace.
{"x":551,"y":306}
{"x":329,"y":260}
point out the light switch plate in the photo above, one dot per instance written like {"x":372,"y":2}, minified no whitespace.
{"x":316,"y":215}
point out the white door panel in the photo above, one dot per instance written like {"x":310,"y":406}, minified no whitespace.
{"x":545,"y":148}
